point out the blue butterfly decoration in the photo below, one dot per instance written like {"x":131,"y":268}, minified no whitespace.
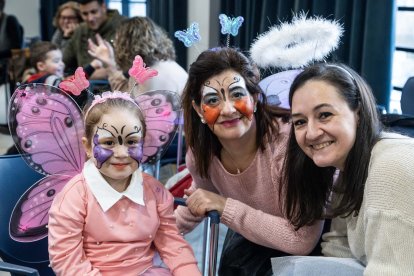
{"x":189,"y":36}
{"x":230,"y":25}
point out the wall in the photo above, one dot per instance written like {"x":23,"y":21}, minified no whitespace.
{"x":28,"y":14}
{"x":205,"y":13}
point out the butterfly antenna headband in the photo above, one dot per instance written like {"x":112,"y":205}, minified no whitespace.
{"x":190,"y":36}
{"x":76,"y":83}
{"x":140,"y":72}
{"x":230,"y":26}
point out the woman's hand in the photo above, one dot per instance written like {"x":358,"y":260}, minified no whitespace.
{"x":200,"y":201}
{"x":69,"y":28}
{"x":102,"y":51}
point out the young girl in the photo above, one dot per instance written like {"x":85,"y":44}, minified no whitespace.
{"x":112,"y":218}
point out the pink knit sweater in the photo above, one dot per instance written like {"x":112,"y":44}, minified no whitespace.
{"x":253,"y":207}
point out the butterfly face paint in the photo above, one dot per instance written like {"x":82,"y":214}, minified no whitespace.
{"x":107,"y":138}
{"x":229,"y":88}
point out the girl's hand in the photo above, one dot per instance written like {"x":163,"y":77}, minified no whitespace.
{"x":200,"y":201}
{"x":102,"y":51}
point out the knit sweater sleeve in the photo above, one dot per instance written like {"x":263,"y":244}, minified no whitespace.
{"x":389,"y":209}
{"x":186,"y":221}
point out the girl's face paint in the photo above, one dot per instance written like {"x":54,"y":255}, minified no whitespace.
{"x":117,"y":145}
{"x":99,"y":153}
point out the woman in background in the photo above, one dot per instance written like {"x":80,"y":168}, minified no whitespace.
{"x":140,"y":36}
{"x":66,"y":20}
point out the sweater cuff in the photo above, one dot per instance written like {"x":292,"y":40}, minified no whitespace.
{"x":185,"y":270}
{"x":229,"y":211}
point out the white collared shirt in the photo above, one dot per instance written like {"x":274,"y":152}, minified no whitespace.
{"x":103,"y":191}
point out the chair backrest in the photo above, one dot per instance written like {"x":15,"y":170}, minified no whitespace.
{"x":407,"y":97}
{"x":15,"y":178}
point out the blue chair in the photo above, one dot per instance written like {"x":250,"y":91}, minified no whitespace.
{"x":407,"y":97}
{"x":16,"y":178}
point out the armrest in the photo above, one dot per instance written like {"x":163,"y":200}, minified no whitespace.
{"x":23,"y":270}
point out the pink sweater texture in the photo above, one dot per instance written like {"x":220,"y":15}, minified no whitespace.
{"x":253,"y":206}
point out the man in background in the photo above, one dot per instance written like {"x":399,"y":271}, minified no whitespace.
{"x":97,"y":19}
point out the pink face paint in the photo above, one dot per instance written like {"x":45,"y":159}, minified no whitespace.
{"x":211,"y":114}
{"x":101,"y":154}
{"x":245,"y":107}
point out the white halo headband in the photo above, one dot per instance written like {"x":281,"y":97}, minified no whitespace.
{"x":297,"y":44}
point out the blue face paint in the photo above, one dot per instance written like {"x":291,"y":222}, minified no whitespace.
{"x":101,"y":154}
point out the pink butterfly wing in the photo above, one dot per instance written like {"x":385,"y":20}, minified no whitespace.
{"x":30,"y":215}
{"x":162,"y":111}
{"x":139,"y":72}
{"x":76,"y":84}
{"x":47,"y":127}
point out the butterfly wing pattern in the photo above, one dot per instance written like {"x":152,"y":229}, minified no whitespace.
{"x":76,"y":84}
{"x":162,"y":113}
{"x":139,"y":72}
{"x":230,"y":25}
{"x":47,"y":128}
{"x":189,"y":36}
{"x":276,"y":87}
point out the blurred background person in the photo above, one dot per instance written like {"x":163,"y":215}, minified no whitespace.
{"x":140,"y":36}
{"x":97,"y":20}
{"x":66,"y":20}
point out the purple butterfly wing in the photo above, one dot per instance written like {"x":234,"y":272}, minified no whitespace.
{"x":30,"y":215}
{"x":276,"y":87}
{"x":162,"y":113}
{"x":47,"y":128}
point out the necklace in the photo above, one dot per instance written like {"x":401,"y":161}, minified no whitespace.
{"x":231,"y":157}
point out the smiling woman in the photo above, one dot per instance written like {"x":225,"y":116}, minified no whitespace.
{"x":336,"y":130}
{"x":237,"y":143}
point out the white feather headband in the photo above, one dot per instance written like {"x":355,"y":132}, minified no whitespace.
{"x":297,"y":44}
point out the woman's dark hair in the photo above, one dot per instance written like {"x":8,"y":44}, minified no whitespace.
{"x":200,"y":139}
{"x":308,"y":187}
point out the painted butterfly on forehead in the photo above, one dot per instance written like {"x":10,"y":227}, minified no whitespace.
{"x":47,"y":127}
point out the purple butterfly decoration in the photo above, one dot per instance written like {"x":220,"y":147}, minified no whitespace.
{"x":47,"y":128}
{"x":162,"y":112}
{"x":276,"y":87}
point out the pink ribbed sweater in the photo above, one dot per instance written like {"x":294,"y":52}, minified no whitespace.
{"x":253,"y":208}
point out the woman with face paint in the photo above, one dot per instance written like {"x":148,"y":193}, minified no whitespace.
{"x":237,"y":144}
{"x":112,"y":218}
{"x":336,"y":130}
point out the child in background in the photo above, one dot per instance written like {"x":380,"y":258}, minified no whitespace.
{"x":111,"y":218}
{"x":46,"y":59}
